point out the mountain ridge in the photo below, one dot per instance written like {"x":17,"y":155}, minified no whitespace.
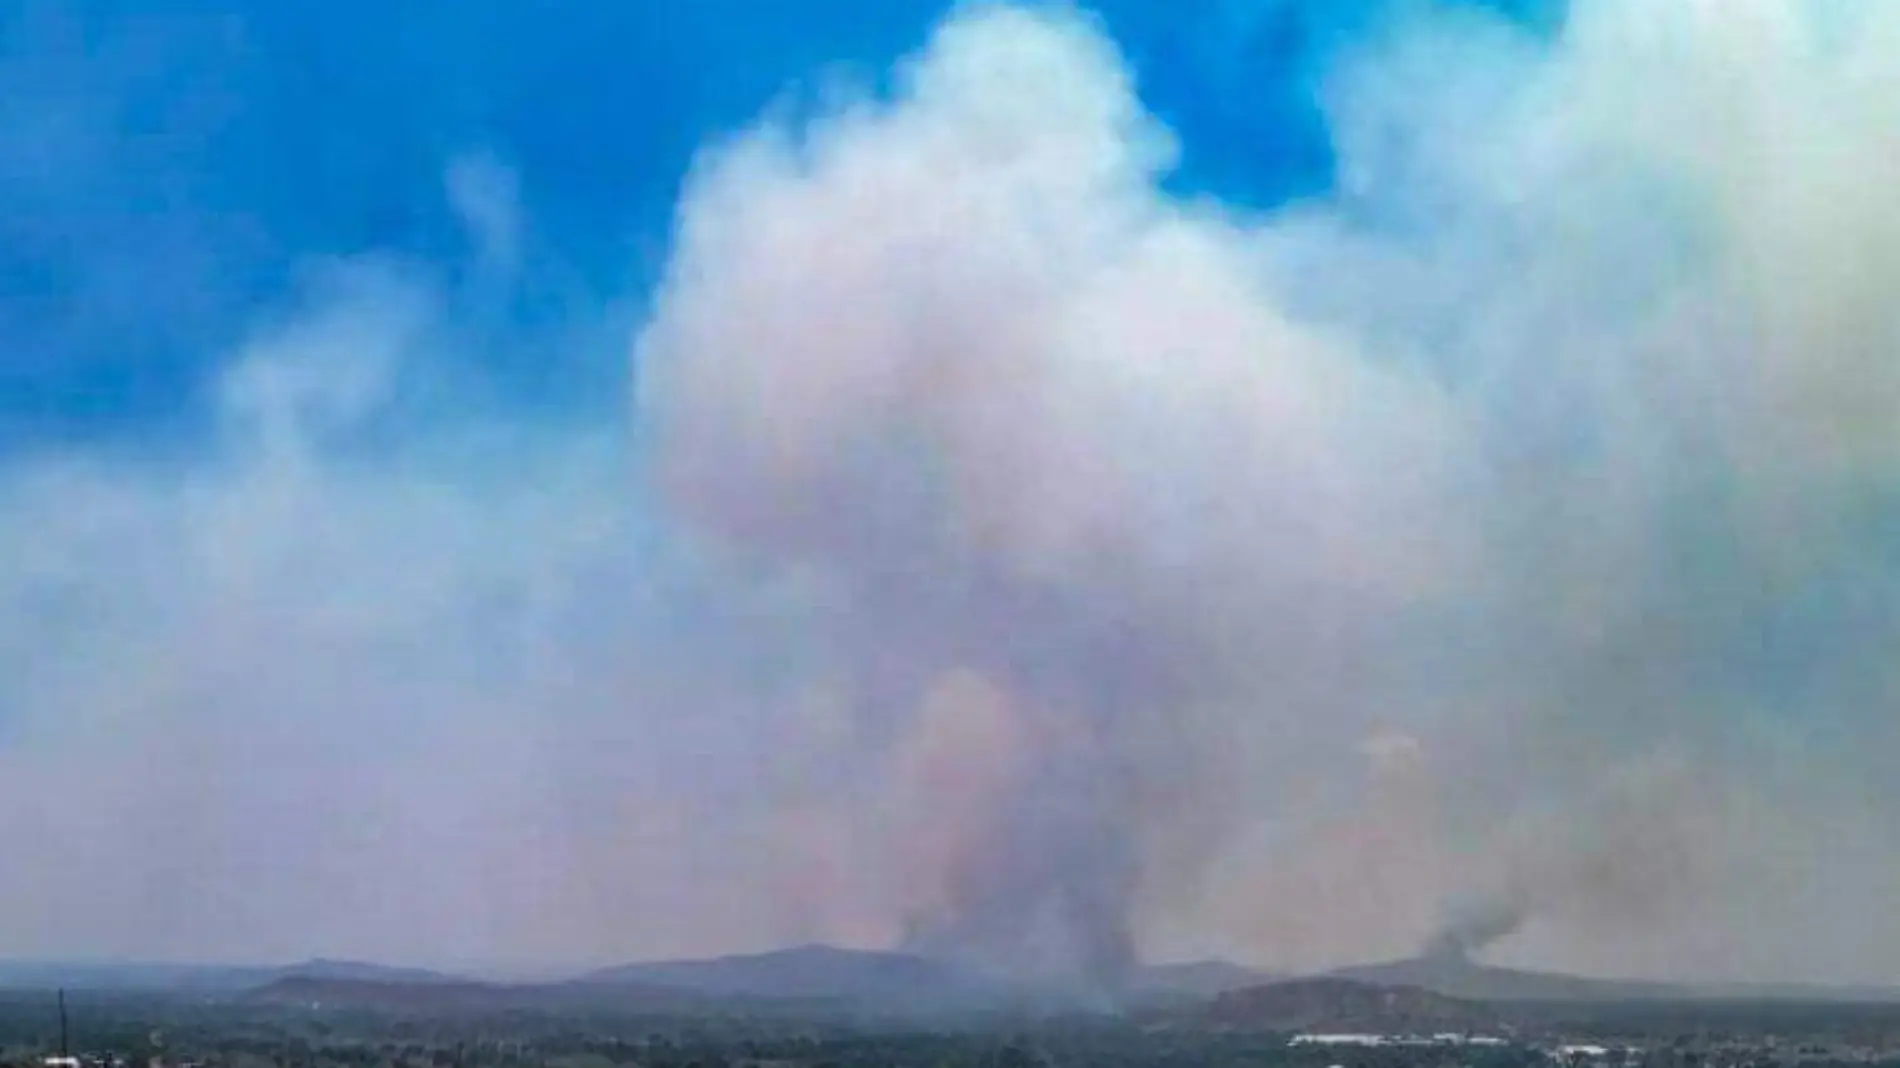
{"x":887,"y":980}
{"x":876,"y":979}
{"x":1335,"y":1004}
{"x":1462,"y":977}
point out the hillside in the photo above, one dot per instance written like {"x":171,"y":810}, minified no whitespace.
{"x":360,"y":971}
{"x":1462,"y":978}
{"x":316,"y":991}
{"x":460,"y":996}
{"x":210,"y":979}
{"x":1195,"y":979}
{"x":1333,"y":1004}
{"x":859,"y":978}
{"x":130,"y":976}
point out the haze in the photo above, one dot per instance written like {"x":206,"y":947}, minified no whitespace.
{"x":1048,"y":486}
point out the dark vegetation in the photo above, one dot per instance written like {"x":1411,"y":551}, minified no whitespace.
{"x":1333,"y":1004}
{"x":222,"y":1034}
{"x":810,"y":1009}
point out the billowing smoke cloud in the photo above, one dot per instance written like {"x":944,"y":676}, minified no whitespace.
{"x":1625,"y":855}
{"x":1090,"y":509}
{"x":1182,"y":504}
{"x":1473,"y":925}
{"x":1017,"y":561}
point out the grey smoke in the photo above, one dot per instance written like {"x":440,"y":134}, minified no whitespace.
{"x":1472,"y":927}
{"x":1056,"y":576}
{"x":1018,"y":561}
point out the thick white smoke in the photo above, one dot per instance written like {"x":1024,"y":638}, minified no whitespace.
{"x":1014,"y":560}
{"x":1093,"y":513}
{"x":1535,"y":441}
{"x":356,"y":676}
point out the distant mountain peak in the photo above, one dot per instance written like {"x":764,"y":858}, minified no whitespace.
{"x":358,"y":971}
{"x":1457,"y":975}
{"x":857,"y":977}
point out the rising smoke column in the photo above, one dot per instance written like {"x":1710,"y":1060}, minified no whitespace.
{"x":1034,"y":564}
{"x":1527,"y":444}
{"x":1472,"y":926}
{"x":1079,"y":497}
{"x":1666,"y":327}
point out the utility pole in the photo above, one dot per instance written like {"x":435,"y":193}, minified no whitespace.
{"x":64,"y":1051}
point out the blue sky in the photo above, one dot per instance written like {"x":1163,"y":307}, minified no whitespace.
{"x":167,"y":169}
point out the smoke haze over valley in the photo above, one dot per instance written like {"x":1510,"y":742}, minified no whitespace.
{"x":981,"y":534}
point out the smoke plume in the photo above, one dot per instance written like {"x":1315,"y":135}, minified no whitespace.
{"x":1009,"y":556}
{"x":1060,"y":464}
{"x":1178,"y":503}
{"x":1472,"y":926}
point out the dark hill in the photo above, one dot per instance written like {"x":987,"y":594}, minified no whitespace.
{"x":459,"y":996}
{"x":1463,"y":978}
{"x":360,"y":971}
{"x":131,"y":976}
{"x":1332,"y":1004}
{"x":1158,"y":985}
{"x":316,"y":991}
{"x":209,"y":979}
{"x":859,"y":978}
